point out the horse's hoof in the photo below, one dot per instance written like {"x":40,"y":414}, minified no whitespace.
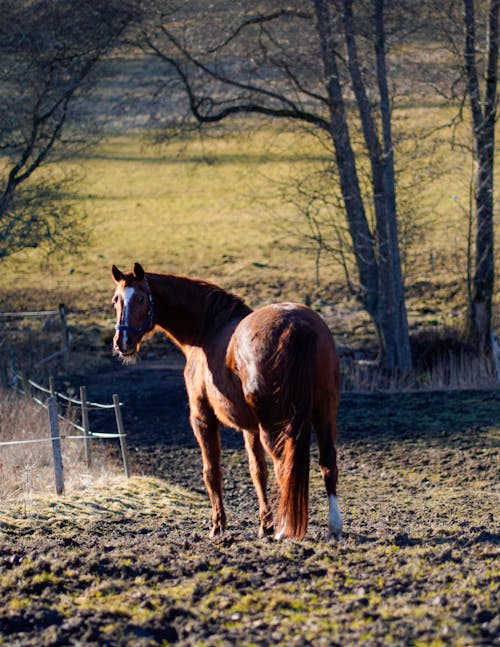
{"x":335,"y":521}
{"x":265,"y":531}
{"x":216,"y":531}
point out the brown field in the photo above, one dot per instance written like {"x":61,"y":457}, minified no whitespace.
{"x":131,"y":561}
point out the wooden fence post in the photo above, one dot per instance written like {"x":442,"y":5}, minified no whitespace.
{"x":121,"y":431}
{"x":4,"y":374}
{"x":64,"y":330}
{"x":26,"y":386}
{"x":85,"y":424}
{"x":56,"y":444}
{"x":52,"y":385}
{"x":496,"y":354}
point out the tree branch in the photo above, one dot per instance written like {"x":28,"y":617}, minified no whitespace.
{"x":258,"y":20}
{"x":292,"y":112}
{"x":471,"y":76}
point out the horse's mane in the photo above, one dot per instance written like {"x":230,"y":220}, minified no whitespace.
{"x":215,"y":306}
{"x":220,"y":306}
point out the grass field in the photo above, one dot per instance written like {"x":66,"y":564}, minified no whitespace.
{"x":218,"y":209}
{"x":194,"y":214}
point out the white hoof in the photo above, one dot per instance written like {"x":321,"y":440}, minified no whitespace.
{"x":334,"y":518}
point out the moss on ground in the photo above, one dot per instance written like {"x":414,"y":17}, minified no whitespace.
{"x":417,"y":565}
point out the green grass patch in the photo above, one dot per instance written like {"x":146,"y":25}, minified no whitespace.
{"x":218,"y":209}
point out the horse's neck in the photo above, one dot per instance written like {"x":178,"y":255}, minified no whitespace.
{"x":173,"y":310}
{"x":182,"y":309}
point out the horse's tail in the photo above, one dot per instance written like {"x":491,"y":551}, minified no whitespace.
{"x":293,"y":442}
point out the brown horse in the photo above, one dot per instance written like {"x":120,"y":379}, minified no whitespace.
{"x":272,"y":373}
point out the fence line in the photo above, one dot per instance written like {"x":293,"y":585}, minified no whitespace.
{"x":79,"y":403}
{"x":54,"y":416}
{"x":61,"y":437}
{"x":35,"y":313}
{"x":67,"y":398}
{"x":32,"y":440}
{"x":62,"y":312}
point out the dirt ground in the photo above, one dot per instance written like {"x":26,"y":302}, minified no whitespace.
{"x":132,"y":563}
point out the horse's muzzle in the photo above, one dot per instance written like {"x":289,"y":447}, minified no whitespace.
{"x":123,"y":345}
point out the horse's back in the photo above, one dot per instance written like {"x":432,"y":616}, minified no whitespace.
{"x":278,"y":342}
{"x":264,"y":331}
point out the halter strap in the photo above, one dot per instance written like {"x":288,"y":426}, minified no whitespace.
{"x":149,"y":320}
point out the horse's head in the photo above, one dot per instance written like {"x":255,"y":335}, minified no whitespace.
{"x":133,"y":303}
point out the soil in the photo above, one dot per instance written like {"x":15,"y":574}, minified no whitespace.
{"x":132,"y":563}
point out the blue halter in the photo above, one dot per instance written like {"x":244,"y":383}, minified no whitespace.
{"x":146,"y":325}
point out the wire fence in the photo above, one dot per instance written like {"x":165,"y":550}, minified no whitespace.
{"x":61,"y":313}
{"x":51,"y":400}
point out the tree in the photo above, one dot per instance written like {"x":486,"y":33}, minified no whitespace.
{"x":484,"y":111}
{"x":469,"y":29}
{"x":49,"y":52}
{"x":286,"y":62}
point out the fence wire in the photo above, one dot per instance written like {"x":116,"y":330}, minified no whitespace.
{"x":16,"y":379}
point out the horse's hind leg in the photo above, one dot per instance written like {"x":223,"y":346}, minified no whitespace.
{"x":258,"y":472}
{"x":324,"y":420}
{"x":206,"y":430}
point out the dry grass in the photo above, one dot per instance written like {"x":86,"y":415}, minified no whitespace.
{"x":460,"y":372}
{"x":441,"y":361}
{"x":219,"y":210}
{"x":224,"y":209}
{"x":26,"y":470}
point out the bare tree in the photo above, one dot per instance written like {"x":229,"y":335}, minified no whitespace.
{"x":469,"y":30}
{"x":49,"y":51}
{"x":302,"y":61}
{"x":483,"y":101}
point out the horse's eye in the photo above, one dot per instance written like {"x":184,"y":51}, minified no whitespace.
{"x":140,"y":299}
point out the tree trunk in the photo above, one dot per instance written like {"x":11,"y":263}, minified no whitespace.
{"x":380,"y":273}
{"x":478,"y":324}
{"x":392,"y":299}
{"x":362,"y":238}
{"x":391,"y":318}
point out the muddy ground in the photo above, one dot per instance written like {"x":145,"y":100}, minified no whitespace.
{"x":131,"y":563}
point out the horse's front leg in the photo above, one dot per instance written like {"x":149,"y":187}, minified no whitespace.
{"x":258,"y":472}
{"x":206,"y":430}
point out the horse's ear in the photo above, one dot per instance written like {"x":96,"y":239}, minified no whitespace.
{"x":117,"y":275}
{"x":138,"y":271}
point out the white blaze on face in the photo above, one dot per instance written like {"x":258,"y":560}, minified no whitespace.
{"x":127,"y":295}
{"x":334,"y":517}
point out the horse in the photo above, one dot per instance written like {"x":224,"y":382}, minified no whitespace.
{"x":272,"y":374}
